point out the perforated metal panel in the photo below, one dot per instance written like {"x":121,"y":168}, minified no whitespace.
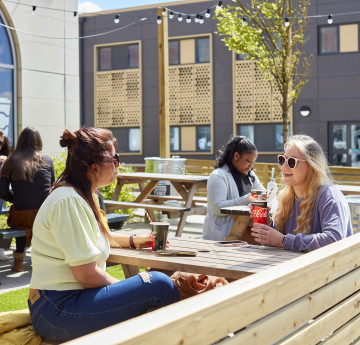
{"x":190,"y":94}
{"x":254,"y":102}
{"x":118,"y":98}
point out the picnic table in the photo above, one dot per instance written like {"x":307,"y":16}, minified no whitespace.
{"x":185,"y":185}
{"x":228,"y":262}
{"x":242,"y":223}
{"x":348,"y":189}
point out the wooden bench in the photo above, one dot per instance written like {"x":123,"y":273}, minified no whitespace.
{"x":172,"y":211}
{"x":311,"y":299}
{"x":6,"y":235}
{"x":115,"y":220}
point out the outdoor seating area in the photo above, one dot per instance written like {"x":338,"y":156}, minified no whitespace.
{"x":309,"y":299}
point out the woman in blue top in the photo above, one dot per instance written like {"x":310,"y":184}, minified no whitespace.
{"x":311,"y":212}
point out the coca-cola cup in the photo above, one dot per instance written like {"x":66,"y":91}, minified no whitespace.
{"x":259,"y":212}
{"x":256,"y":194}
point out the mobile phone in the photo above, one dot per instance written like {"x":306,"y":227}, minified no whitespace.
{"x":234,"y":243}
{"x":176,"y":253}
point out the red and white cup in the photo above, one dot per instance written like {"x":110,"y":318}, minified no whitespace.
{"x":259,"y":212}
{"x":256,"y":194}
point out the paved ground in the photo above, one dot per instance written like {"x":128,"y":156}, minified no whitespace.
{"x":12,"y":281}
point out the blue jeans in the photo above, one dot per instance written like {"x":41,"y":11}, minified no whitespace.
{"x":59,"y":316}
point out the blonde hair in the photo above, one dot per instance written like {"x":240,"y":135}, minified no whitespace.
{"x":318,"y":175}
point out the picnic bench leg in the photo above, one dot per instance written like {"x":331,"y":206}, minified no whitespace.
{"x":241,"y":223}
{"x":188,"y":202}
{"x":117,"y":190}
{"x":130,"y":270}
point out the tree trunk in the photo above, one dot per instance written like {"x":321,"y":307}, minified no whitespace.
{"x":284,"y":125}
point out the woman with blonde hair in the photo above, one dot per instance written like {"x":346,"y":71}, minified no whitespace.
{"x":311,"y":211}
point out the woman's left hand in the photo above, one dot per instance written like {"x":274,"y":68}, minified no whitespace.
{"x":143,"y":240}
{"x":265,"y":234}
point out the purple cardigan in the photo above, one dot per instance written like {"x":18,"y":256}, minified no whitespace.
{"x":330,"y":222}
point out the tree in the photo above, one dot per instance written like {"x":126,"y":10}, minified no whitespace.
{"x":272,"y":32}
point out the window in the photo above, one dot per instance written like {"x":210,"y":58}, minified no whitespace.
{"x":247,"y":131}
{"x":339,"y":39}
{"x":118,"y":57}
{"x":190,"y":139}
{"x":134,"y":139}
{"x":267,"y":137}
{"x":7,"y":84}
{"x":189,"y":51}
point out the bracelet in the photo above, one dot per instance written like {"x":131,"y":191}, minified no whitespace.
{"x":131,"y":239}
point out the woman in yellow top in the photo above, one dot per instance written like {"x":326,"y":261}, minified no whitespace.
{"x":71,"y":294}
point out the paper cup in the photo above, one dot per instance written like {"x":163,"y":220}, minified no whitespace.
{"x":160,"y":232}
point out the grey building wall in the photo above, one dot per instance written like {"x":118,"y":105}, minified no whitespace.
{"x":332,"y":93}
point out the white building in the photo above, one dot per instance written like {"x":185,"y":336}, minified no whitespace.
{"x":39,"y":69}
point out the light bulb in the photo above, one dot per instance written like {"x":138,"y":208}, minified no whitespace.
{"x":243,"y":21}
{"x":171,"y":15}
{"x":330,"y":19}
{"x":197,"y":18}
{"x":180,"y":18}
{"x":208,"y":13}
{"x":33,"y":10}
{"x":188,"y":19}
{"x":164,"y":11}
{"x":287,"y":23}
{"x":158,"y":19}
{"x":117,"y":19}
{"x":201,"y":20}
{"x":75,"y":15}
{"x":218,"y":6}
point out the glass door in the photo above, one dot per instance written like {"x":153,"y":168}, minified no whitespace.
{"x":344,"y":144}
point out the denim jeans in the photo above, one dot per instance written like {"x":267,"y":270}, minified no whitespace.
{"x":59,"y":316}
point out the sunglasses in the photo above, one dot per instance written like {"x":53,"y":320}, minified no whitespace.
{"x":291,"y":161}
{"x":116,"y":160}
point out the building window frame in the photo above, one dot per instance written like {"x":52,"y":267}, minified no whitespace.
{"x":11,"y":132}
{"x":97,"y":71}
{"x":320,"y":27}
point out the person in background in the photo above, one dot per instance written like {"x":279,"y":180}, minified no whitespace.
{"x":311,"y":212}
{"x":5,"y":151}
{"x":30,"y":174}
{"x":5,"y":148}
{"x":70,"y":287}
{"x":230,"y":185}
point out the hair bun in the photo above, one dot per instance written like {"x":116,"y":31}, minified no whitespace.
{"x":68,"y":139}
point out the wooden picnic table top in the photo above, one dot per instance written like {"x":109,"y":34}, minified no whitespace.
{"x":228,"y":262}
{"x":348,"y":189}
{"x":237,"y":210}
{"x":162,"y":177}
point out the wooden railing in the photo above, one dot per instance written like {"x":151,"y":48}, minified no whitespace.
{"x":341,"y":175}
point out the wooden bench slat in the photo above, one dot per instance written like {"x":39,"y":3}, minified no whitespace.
{"x":176,"y":198}
{"x":10,"y":233}
{"x":124,"y":204}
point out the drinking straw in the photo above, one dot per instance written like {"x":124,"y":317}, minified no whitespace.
{"x":272,"y":172}
{"x":148,"y":216}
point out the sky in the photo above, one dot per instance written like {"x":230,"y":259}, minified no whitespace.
{"x":104,"y":5}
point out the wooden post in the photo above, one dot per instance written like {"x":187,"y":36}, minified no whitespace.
{"x":163,"y":51}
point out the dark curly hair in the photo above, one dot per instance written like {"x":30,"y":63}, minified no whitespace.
{"x":239,"y":144}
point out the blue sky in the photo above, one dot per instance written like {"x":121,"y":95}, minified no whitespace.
{"x":86,"y":6}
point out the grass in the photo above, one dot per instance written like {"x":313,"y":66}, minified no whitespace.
{"x":17,"y":299}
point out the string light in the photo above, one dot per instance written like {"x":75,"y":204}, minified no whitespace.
{"x":201,"y":20}
{"x":180,"y":18}
{"x":188,"y":19}
{"x":330,"y":19}
{"x":208,"y":13}
{"x":117,"y":19}
{"x":243,"y":21}
{"x":33,"y":9}
{"x":158,"y":20}
{"x":75,"y":15}
{"x":171,"y":15}
{"x":218,"y":6}
{"x":287,"y":23}
{"x":197,"y":18}
{"x":164,"y":11}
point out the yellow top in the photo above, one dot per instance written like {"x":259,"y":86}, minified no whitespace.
{"x":65,"y":233}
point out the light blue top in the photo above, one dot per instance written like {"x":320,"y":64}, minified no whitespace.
{"x":223,"y":192}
